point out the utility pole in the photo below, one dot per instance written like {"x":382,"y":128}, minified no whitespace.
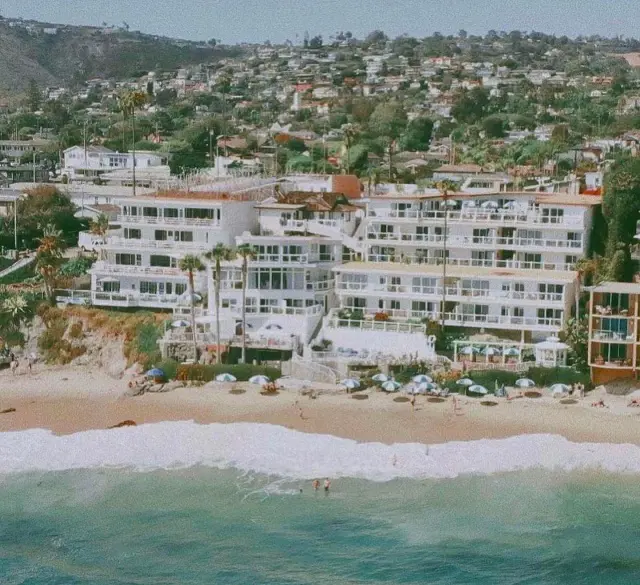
{"x":34,"y":167}
{"x":15,"y":225}
{"x":133,"y":146}
{"x":210,"y":147}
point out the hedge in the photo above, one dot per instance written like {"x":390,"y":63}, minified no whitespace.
{"x":202,"y":373}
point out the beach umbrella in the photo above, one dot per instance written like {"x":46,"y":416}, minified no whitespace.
{"x":421,"y":378}
{"x":477,"y":389}
{"x":488,"y":351}
{"x":425,"y":387}
{"x":180,"y":323}
{"x":225,"y":378}
{"x":380,"y":378}
{"x":465,"y":382}
{"x":468,"y":204}
{"x":525,"y":383}
{"x":489,"y":205}
{"x":391,"y":386}
{"x":155,"y":373}
{"x":469,"y":350}
{"x":260,"y":380}
{"x":511,"y":352}
{"x":273,"y":327}
{"x":559,"y":389}
{"x":350,"y":383}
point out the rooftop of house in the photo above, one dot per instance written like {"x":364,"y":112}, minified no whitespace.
{"x":457,"y":271}
{"x":632,"y":288}
{"x":311,"y":201}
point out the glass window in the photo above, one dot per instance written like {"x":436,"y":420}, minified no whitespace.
{"x":170,"y":212}
{"x":129,"y":259}
{"x":132,"y":234}
{"x":150,"y":211}
{"x":148,"y":287}
{"x":161,"y":261}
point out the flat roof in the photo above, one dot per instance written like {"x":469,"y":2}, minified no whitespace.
{"x":566,"y":199}
{"x":618,"y":287}
{"x":457,"y":271}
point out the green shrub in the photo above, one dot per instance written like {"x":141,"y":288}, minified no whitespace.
{"x":204,"y":373}
{"x":76,"y":266}
{"x":549,"y":376}
{"x":169,"y":367}
{"x":75,"y":331}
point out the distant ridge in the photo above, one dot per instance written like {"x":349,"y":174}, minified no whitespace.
{"x":60,"y":54}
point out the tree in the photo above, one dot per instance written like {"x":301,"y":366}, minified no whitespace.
{"x":350,"y":131}
{"x":445,"y":187}
{"x":192,"y":264}
{"x":316,"y":42}
{"x":129,"y":102}
{"x":246,"y":252}
{"x":34,"y":96}
{"x":418,"y":134}
{"x":49,"y":257}
{"x":219,"y":254}
{"x":100,"y":225}
{"x":470,"y":106}
{"x":388,"y":119}
{"x":494,"y":126}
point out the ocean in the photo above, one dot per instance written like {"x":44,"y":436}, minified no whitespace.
{"x":178,"y":503}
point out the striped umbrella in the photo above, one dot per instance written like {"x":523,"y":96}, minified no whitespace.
{"x":350,"y":383}
{"x":225,"y":378}
{"x":422,"y":378}
{"x":380,"y":378}
{"x":391,"y":386}
{"x":259,"y":379}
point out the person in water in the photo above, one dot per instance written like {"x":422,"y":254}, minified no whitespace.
{"x":316,"y":485}
{"x":327,"y":485}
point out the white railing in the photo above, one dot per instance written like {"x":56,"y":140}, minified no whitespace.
{"x":372,"y":325}
{"x":294,"y":258}
{"x":490,"y":263}
{"x":309,"y":223}
{"x":602,"y":335}
{"x":466,"y":293}
{"x":133,"y":244}
{"x":475,"y":215}
{"x":488,"y":320}
{"x":119,"y":299}
{"x":139,"y":270}
{"x":174,"y":221}
{"x":493,"y":241}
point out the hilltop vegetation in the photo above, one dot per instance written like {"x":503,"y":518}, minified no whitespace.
{"x":77,"y":53}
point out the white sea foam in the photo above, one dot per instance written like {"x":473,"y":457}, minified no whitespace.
{"x":274,"y":450}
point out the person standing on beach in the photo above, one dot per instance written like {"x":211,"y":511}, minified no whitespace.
{"x":14,"y":366}
{"x":413,"y":402}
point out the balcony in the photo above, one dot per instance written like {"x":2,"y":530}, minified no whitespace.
{"x":171,"y":221}
{"x":481,"y":263}
{"x":132,"y":244}
{"x":493,"y":242}
{"x":503,"y":322}
{"x":372,"y":325}
{"x":501,"y":217}
{"x":293,"y":258}
{"x":118,"y":299}
{"x":605,"y":336}
{"x":464,"y":294}
{"x":102,"y":268}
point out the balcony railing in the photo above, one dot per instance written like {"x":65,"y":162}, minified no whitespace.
{"x":133,"y":244}
{"x":498,"y":296}
{"x":371,"y":325}
{"x":473,"y":241}
{"x":615,"y":336}
{"x":101,"y":268}
{"x":293,"y":258}
{"x":479,"y":215}
{"x":482,"y":263}
{"x":173,"y":221}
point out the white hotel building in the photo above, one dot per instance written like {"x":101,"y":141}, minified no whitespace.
{"x":365,"y":275}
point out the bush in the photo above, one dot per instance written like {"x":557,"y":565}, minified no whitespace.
{"x":76,"y":330}
{"x":76,"y":266}
{"x":548,"y":376}
{"x":204,"y":373}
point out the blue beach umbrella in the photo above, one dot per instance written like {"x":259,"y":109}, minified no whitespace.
{"x":259,"y":379}
{"x":422,"y":378}
{"x":512,"y":352}
{"x":525,"y":383}
{"x":350,"y":383}
{"x":155,"y":373}
{"x":465,"y":382}
{"x":391,"y":386}
{"x":477,"y":389}
{"x":380,"y":378}
{"x":225,"y":378}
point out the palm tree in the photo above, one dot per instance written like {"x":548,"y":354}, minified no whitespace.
{"x":15,"y":308}
{"x":219,"y":254}
{"x":192,"y":264}
{"x":99,"y":227}
{"x":246,"y":252}
{"x":445,"y":187}
{"x":49,"y":257}
{"x":129,"y":102}
{"x":350,"y":132}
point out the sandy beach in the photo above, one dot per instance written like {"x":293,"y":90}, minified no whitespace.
{"x":69,"y":400}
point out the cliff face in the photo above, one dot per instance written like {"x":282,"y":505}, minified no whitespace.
{"x":61,"y":54}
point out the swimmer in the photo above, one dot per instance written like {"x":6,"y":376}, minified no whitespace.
{"x":327,"y":485}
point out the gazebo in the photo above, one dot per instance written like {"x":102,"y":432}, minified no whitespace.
{"x":551,"y":353}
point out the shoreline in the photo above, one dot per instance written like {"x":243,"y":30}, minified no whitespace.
{"x":68,"y":400}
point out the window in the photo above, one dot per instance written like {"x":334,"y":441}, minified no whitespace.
{"x":535,"y":235}
{"x":129,"y":259}
{"x":132,"y":234}
{"x":481,"y":257}
{"x":575,"y":239}
{"x":170,"y":212}
{"x":148,"y":287}
{"x":160,"y":235}
{"x":552,"y":215}
{"x":549,"y":316}
{"x":184,"y":236}
{"x":180,"y":288}
{"x":150,"y":211}
{"x":550,"y":291}
{"x":532,"y":260}
{"x":480,"y":236}
{"x":195,"y":213}
{"x":570,"y":261}
{"x":395,"y":305}
{"x":422,"y":230}
{"x":356,"y":302}
{"x":385,"y":229}
{"x":162,"y":261}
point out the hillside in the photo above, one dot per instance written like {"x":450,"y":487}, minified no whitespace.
{"x":62,"y":54}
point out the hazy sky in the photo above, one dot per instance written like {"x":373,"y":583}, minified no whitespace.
{"x":277,"y":20}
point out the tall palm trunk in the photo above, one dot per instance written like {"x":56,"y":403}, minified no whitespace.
{"x":244,"y":310}
{"x":192,"y":294}
{"x":444,"y":266}
{"x":216,"y":290}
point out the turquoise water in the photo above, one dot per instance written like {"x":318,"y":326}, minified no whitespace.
{"x":204,"y":526}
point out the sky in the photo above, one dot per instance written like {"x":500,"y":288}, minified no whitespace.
{"x":235,"y":21}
